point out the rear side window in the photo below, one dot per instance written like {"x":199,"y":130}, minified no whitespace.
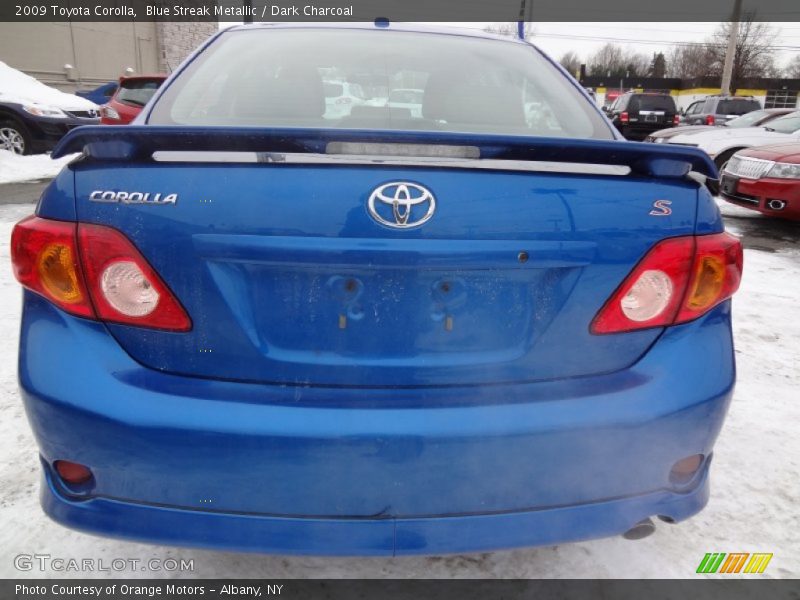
{"x":639,"y":103}
{"x":695,"y":108}
{"x":737,"y":106}
{"x":137,"y":91}
{"x":346,"y":78}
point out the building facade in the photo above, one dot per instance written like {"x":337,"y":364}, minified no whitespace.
{"x":81,"y":55}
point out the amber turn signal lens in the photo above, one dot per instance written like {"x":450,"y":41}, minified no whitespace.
{"x":58,"y":273}
{"x":708,"y":283}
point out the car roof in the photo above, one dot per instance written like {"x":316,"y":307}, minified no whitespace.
{"x":405,"y":27}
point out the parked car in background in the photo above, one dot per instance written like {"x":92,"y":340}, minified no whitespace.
{"x":723,"y":142}
{"x":610,"y":97}
{"x":101,"y":94}
{"x":752,"y":119}
{"x":341,"y":97}
{"x":130,"y":98}
{"x":715,"y":110}
{"x":34,"y":116}
{"x":289,"y":335}
{"x":409,"y":98}
{"x":636,"y":115}
{"x":766,"y":179}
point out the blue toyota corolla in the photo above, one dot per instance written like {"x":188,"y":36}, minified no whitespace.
{"x":271,"y":316}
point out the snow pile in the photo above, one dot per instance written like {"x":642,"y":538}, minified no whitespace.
{"x":755,"y":497}
{"x":17,"y":87}
{"x":15,"y":168}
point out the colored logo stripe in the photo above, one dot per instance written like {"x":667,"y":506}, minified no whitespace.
{"x":734,"y":562}
{"x":713,"y":562}
{"x":758,"y":563}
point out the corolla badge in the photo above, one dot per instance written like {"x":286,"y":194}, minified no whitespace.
{"x":133,"y":197}
{"x":401,"y":204}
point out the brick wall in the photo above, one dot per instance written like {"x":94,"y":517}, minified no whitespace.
{"x":177,"y":40}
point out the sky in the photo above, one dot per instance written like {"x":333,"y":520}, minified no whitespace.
{"x":586,"y":38}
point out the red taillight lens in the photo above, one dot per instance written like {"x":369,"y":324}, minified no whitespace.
{"x":71,"y":472}
{"x":676,"y":120}
{"x":623,"y":117}
{"x":123,"y":285}
{"x":678,"y":280}
{"x":710,"y":119}
{"x":44,"y":254}
{"x":94,"y":272}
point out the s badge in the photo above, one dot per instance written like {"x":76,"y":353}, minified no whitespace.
{"x":661,"y":208}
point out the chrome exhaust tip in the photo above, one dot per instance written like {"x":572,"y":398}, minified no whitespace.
{"x":641,"y":530}
{"x":776,"y":204}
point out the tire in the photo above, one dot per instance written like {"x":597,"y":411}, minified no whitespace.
{"x":721,"y":160}
{"x":14,"y":137}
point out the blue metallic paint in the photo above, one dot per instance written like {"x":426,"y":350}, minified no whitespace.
{"x":570,"y":436}
{"x":272,"y":315}
{"x":589,"y":443}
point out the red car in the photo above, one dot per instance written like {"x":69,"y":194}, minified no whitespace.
{"x":131,"y":96}
{"x":766,"y":179}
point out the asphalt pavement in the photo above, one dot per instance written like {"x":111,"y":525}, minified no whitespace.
{"x":27,"y":192}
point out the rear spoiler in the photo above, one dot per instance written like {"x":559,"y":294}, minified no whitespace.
{"x":140,"y":142}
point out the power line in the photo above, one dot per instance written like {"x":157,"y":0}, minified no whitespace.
{"x":594,"y":38}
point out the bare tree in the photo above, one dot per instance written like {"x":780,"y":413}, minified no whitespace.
{"x":793,"y":68}
{"x":636,"y":63}
{"x":570,"y":61}
{"x":690,"y":61}
{"x":753,"y":58}
{"x":509,"y":29}
{"x":612,"y":60}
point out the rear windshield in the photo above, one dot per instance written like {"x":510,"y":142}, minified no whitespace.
{"x":748,"y":120}
{"x":406,"y":96}
{"x":301,"y":78}
{"x":137,"y":91}
{"x":665,"y":103}
{"x":737,"y":106}
{"x":788,"y":124}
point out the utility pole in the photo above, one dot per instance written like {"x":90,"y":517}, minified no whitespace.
{"x":733,"y":36}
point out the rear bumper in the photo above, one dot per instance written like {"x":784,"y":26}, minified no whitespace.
{"x":283,"y":469}
{"x":366,"y":537}
{"x":757,"y":195}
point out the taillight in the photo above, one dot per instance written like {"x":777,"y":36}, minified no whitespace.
{"x":94,"y":272}
{"x":676,"y":120}
{"x":109,"y":113}
{"x":624,"y":118}
{"x":45,"y":257}
{"x":710,"y":119}
{"x":677,"y":281}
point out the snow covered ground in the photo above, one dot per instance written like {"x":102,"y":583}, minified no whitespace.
{"x":15,"y":168}
{"x":755,"y":498}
